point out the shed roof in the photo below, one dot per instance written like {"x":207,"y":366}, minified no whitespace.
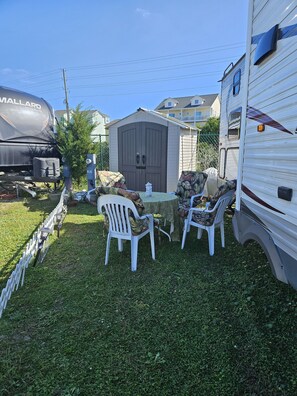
{"x":163,"y":117}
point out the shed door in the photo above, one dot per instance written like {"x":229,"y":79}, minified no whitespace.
{"x":143,"y":155}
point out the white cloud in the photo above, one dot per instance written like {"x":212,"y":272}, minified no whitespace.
{"x":6,"y":71}
{"x":143,"y":13}
{"x":15,"y":74}
{"x":11,"y":76}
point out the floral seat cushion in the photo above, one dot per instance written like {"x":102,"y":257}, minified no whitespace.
{"x":137,"y":226}
{"x":189,"y":184}
{"x":223,"y":189}
{"x":111,"y":179}
{"x":206,"y":218}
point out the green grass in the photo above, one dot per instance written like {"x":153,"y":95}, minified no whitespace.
{"x":18,"y":221}
{"x":185,"y":324}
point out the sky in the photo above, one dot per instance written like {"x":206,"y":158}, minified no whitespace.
{"x":119,"y":55}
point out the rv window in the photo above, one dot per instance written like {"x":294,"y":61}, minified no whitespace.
{"x":234,"y":124}
{"x":266,"y":45}
{"x":236,"y":82}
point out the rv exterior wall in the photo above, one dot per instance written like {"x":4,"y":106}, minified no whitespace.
{"x":229,"y":145}
{"x":268,"y":160}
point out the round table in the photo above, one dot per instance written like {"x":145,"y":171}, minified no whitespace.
{"x":166,"y":205}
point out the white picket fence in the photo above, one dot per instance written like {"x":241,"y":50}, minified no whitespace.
{"x":17,"y":276}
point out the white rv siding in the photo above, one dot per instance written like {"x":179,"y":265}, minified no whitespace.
{"x":270,"y":158}
{"x":229,"y":145}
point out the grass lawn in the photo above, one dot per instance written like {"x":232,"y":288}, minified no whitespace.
{"x":18,"y":221}
{"x":185,"y":324}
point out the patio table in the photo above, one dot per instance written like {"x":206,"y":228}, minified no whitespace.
{"x":165,"y":205}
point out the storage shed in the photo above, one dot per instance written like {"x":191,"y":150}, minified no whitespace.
{"x":147,"y":146}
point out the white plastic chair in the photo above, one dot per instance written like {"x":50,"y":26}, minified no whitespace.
{"x":117,"y":209}
{"x":218,"y":221}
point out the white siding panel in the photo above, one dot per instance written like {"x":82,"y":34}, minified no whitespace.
{"x":270,"y":159}
{"x":188,"y":143}
{"x":173,"y":157}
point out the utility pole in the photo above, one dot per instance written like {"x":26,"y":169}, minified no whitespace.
{"x":66,"y":95}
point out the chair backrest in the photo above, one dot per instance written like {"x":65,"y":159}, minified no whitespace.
{"x":221,"y":205}
{"x":229,"y":185}
{"x":111,"y":179}
{"x":118,"y":210}
{"x":190,"y":183}
{"x":132,"y":195}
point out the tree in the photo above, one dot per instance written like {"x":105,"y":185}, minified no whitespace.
{"x":212,"y":125}
{"x":75,"y":142}
{"x":207,"y":144}
{"x":207,"y":156}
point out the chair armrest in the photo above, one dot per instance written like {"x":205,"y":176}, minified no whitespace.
{"x":194,"y":197}
{"x":146,"y":216}
{"x":205,"y":210}
{"x":89,"y":193}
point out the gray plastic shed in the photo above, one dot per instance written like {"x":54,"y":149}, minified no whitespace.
{"x":147,"y":146}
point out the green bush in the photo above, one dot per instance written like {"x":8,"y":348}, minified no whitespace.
{"x":207,"y":156}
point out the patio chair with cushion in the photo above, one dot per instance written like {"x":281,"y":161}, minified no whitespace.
{"x":212,"y":216}
{"x":125,"y":223}
{"x":189,"y":190}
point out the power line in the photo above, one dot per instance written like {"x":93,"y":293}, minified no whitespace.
{"x":152,"y":70}
{"x":142,"y":71}
{"x":174,"y":78}
{"x":30,"y":79}
{"x":148,"y":81}
{"x":196,"y":88}
{"x":145,"y":93}
{"x":162,"y":57}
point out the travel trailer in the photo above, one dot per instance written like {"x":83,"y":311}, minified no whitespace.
{"x":231,"y":109}
{"x":266,"y":198}
{"x":27,"y":136}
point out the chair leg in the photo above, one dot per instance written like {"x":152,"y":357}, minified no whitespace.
{"x":199,"y":233}
{"x":152,"y":243}
{"x":186,"y":227}
{"x":107,"y":248}
{"x":222,"y":234}
{"x":120,"y":245}
{"x":211,"y":232}
{"x":134,"y":252}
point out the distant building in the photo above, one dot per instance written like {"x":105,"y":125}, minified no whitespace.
{"x":97,"y":118}
{"x":193,"y":110}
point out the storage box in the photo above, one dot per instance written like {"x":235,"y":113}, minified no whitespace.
{"x":46,"y":167}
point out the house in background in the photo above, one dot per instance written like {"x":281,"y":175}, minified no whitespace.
{"x":193,"y":110}
{"x":99,"y":119}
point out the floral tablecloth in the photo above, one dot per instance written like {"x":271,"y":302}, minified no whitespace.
{"x":166,"y":205}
